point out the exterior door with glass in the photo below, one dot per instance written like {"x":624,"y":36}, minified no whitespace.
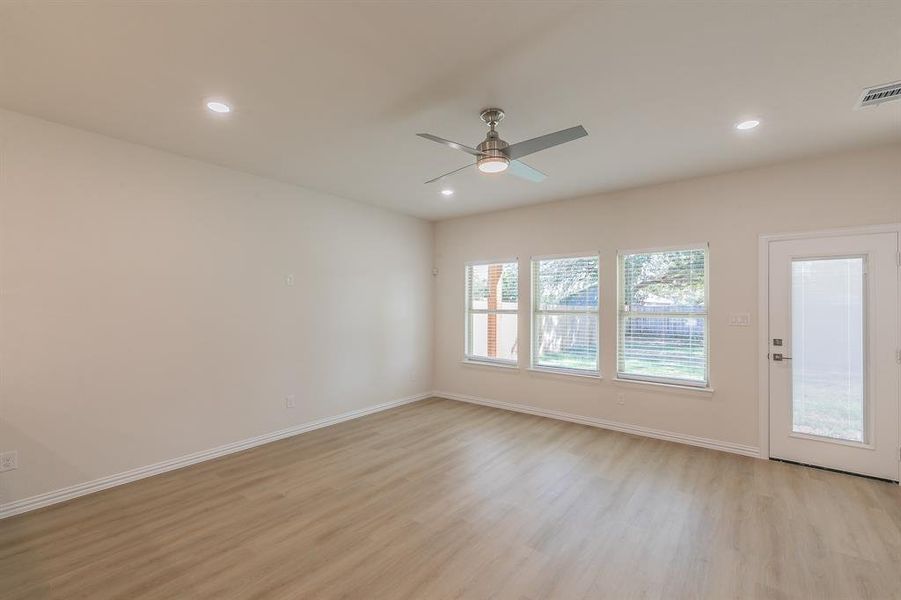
{"x":834,"y":372}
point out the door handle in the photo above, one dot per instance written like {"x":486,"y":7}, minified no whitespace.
{"x":779,"y":357}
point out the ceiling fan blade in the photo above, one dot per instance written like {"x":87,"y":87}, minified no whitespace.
{"x":451,"y":173}
{"x":453,"y":145}
{"x":521,"y":169}
{"x":520,"y":149}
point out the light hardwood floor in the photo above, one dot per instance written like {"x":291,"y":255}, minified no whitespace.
{"x":441,"y":499}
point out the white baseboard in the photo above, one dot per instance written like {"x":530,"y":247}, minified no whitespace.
{"x":659,"y":434}
{"x":89,"y":487}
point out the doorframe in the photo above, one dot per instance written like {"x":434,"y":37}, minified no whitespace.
{"x":763,"y":312}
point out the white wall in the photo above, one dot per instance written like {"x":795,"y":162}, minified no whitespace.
{"x":729,"y":211}
{"x":144,"y":312}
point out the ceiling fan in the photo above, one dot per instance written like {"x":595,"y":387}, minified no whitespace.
{"x":494,"y":155}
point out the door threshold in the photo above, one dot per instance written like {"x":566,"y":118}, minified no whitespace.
{"x":800,"y":464}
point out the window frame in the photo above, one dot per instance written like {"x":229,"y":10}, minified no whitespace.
{"x":468,"y":311}
{"x":534,"y":312}
{"x":620,"y":303}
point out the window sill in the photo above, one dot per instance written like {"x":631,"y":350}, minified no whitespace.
{"x":488,"y":363}
{"x":707,"y":391}
{"x":565,"y":373}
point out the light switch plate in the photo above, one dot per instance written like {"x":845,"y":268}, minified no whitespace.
{"x":739,"y":319}
{"x":9,"y":461}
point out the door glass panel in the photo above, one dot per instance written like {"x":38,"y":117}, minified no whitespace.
{"x":828,"y":348}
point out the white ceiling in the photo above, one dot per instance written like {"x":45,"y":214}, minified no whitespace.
{"x":330,"y":95}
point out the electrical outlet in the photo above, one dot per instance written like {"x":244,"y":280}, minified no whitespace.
{"x":289,"y":280}
{"x":9,"y":461}
{"x":290,"y":401}
{"x":620,"y":398}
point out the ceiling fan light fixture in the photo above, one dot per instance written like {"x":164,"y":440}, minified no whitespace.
{"x":493,"y":164}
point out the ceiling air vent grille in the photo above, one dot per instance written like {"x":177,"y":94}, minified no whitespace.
{"x":879,"y":94}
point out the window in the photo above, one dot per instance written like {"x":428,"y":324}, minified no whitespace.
{"x":565,"y":314}
{"x":492,"y":303}
{"x":663,"y":316}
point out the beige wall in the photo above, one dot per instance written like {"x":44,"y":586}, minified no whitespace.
{"x":729,"y":211}
{"x":144,"y":312}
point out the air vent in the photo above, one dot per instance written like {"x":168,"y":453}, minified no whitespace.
{"x":879,"y":94}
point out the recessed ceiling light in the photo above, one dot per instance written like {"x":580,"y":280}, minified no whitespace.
{"x":219,"y":107}
{"x":447,"y":192}
{"x":745,"y":125}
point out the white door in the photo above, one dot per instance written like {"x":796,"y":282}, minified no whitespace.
{"x":833,"y":352}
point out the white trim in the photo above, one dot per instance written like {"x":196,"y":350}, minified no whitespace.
{"x":827,"y":440}
{"x":763,"y":346}
{"x":533,"y":312}
{"x":596,"y":375}
{"x":657,"y":249}
{"x":479,"y":263}
{"x":701,"y":389}
{"x":468,"y":311}
{"x":89,"y":487}
{"x":620,"y":292}
{"x":763,"y":310}
{"x":475,"y":362}
{"x":837,"y":231}
{"x":658,"y":434}
{"x":567,"y":255}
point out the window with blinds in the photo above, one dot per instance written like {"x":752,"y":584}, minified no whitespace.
{"x":565,"y":314}
{"x":663,"y":316}
{"x":492,"y":306}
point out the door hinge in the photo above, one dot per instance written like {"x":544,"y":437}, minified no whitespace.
{"x":898,"y":356}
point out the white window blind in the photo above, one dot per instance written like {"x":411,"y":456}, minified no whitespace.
{"x":663,"y":316}
{"x":492,"y":305}
{"x":565,"y":314}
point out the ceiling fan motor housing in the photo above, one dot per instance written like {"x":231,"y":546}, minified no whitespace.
{"x":493,"y":146}
{"x":493,"y":158}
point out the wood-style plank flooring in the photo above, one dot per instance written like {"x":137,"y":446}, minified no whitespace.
{"x":441,"y":499}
